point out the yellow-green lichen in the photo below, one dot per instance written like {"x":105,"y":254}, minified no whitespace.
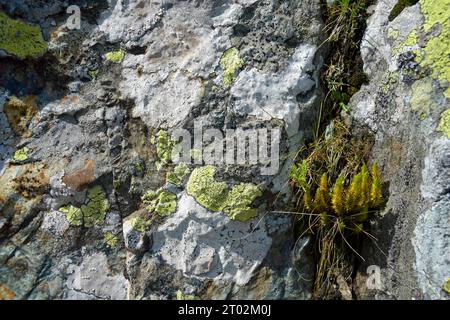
{"x":216,"y":196}
{"x":422,"y":100}
{"x":161,"y":201}
{"x":21,"y":155}
{"x":176,"y":177}
{"x":138,"y":224}
{"x":230,"y":63}
{"x":94,"y":212}
{"x":115,"y":56}
{"x":446,"y":286}
{"x":444,"y":123}
{"x":239,"y":201}
{"x":90,"y":214}
{"x":437,"y":50}
{"x":206,"y":190}
{"x":73,"y":215}
{"x":110,"y":239}
{"x":20,"y":39}
{"x":392,"y":33}
{"x":164,"y":146}
{"x":181,"y":296}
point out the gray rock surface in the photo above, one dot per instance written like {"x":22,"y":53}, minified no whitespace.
{"x":102,"y":93}
{"x":402,"y":106}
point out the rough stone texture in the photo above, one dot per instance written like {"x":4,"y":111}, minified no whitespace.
{"x":102,"y":93}
{"x":402,"y":106}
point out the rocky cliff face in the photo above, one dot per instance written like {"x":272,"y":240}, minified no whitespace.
{"x":406,"y":107}
{"x":94,"y":204}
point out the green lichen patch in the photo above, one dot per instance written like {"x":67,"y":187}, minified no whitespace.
{"x":230,"y":63}
{"x":139,"y":224}
{"x":206,"y":190}
{"x":94,"y":212}
{"x":446,"y":286}
{"x":21,"y":155}
{"x":181,"y":296}
{"x":20,"y":39}
{"x":73,"y":215}
{"x":422,"y":100}
{"x":216,"y":196}
{"x":179,"y":173}
{"x":90,"y":214}
{"x":164,"y":146}
{"x":240,"y":198}
{"x":110,"y":239}
{"x":115,"y":56}
{"x":444,"y":123}
{"x":161,"y":201}
{"x":437,"y":50}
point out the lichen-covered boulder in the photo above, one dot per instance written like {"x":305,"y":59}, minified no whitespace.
{"x":405,"y":106}
{"x":94,"y":206}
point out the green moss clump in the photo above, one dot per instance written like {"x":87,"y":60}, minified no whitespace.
{"x":73,"y":215}
{"x":230,"y":63}
{"x":20,"y":39}
{"x":399,"y":6}
{"x":176,"y":177}
{"x":206,"y":190}
{"x":444,"y":123}
{"x":239,"y":200}
{"x":110,"y":239}
{"x":90,"y":214}
{"x":216,"y":196}
{"x":115,"y":56}
{"x":161,"y":201}
{"x":21,"y":155}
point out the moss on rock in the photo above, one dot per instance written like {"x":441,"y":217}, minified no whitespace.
{"x":20,"y":39}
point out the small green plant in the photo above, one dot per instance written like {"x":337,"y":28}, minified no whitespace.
{"x":338,"y":214}
{"x":336,"y":196}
